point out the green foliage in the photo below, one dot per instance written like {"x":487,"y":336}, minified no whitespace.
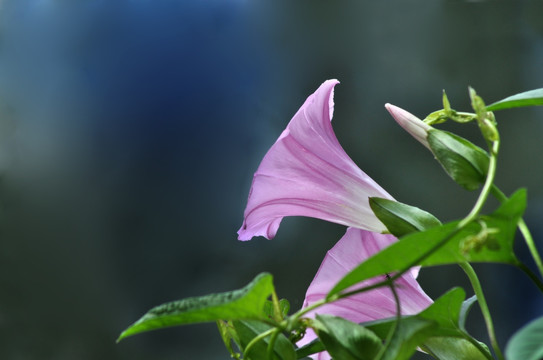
{"x":247,"y":330}
{"x":284,"y":306}
{"x":407,"y":336}
{"x":466,"y":306}
{"x":401,"y":219}
{"x":346,"y":340}
{"x":438,"y":329}
{"x":447,"y":244}
{"x":466,"y":163}
{"x":229,"y":336}
{"x":527,"y":343}
{"x":452,"y":348}
{"x":443,"y":332}
{"x":313,"y":347}
{"x":245,"y":303}
{"x":253,"y":327}
{"x":528,"y":98}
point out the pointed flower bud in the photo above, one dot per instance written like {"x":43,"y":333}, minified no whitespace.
{"x":465,"y":162}
{"x":412,"y":124}
{"x":477,"y":104}
{"x":485,"y":119}
{"x":307,"y":173}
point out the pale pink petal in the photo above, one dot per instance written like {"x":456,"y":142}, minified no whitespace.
{"x":307,"y":173}
{"x":351,"y":250}
{"x":412,"y":124}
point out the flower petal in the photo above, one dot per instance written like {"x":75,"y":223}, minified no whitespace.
{"x":412,"y":124}
{"x":307,"y":173}
{"x":352,"y":249}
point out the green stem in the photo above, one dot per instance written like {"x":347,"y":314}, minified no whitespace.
{"x":531,"y":245}
{"x":483,"y":196}
{"x":483,"y":305}
{"x":392,"y":331}
{"x":531,"y":275}
{"x":498,"y":194}
{"x":258,"y":338}
{"x":487,"y":187}
{"x":271,"y":344}
{"x":294,"y":318}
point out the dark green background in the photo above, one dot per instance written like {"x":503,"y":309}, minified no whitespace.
{"x":129,"y":132}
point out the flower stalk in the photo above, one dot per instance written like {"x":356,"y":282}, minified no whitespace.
{"x":259,"y":337}
{"x":487,"y":187}
{"x":476,"y":285}
{"x":392,"y":331}
{"x":271,"y":344}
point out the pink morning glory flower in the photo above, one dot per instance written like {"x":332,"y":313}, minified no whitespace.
{"x":307,"y":173}
{"x":352,"y":249}
{"x":412,"y":124}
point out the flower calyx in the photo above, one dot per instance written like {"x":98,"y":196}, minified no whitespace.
{"x":485,"y":119}
{"x":448,"y":113}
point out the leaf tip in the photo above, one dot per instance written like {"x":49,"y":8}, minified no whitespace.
{"x":121,"y":337}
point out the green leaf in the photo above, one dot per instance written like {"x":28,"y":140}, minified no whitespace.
{"x":446,"y":312}
{"x":466,"y":307}
{"x":245,"y":303}
{"x":284,"y":305}
{"x":312,"y":348}
{"x":527,"y":343}
{"x":466,"y":163}
{"x":401,"y":219}
{"x":450,"y":245}
{"x":438,"y":330}
{"x":452,"y":348}
{"x":452,"y":341}
{"x":443,"y":335}
{"x":247,"y":330}
{"x":528,"y":98}
{"x":409,"y":334}
{"x":344,"y":339}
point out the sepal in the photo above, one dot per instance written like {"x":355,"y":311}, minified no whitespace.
{"x":466,"y":163}
{"x":402,"y":219}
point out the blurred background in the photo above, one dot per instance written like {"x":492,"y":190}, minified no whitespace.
{"x":130,"y":130}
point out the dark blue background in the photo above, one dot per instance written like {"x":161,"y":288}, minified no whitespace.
{"x":129,"y":132}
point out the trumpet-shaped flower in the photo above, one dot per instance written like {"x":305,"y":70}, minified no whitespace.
{"x":412,"y":124}
{"x":352,"y":249}
{"x":307,"y":173}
